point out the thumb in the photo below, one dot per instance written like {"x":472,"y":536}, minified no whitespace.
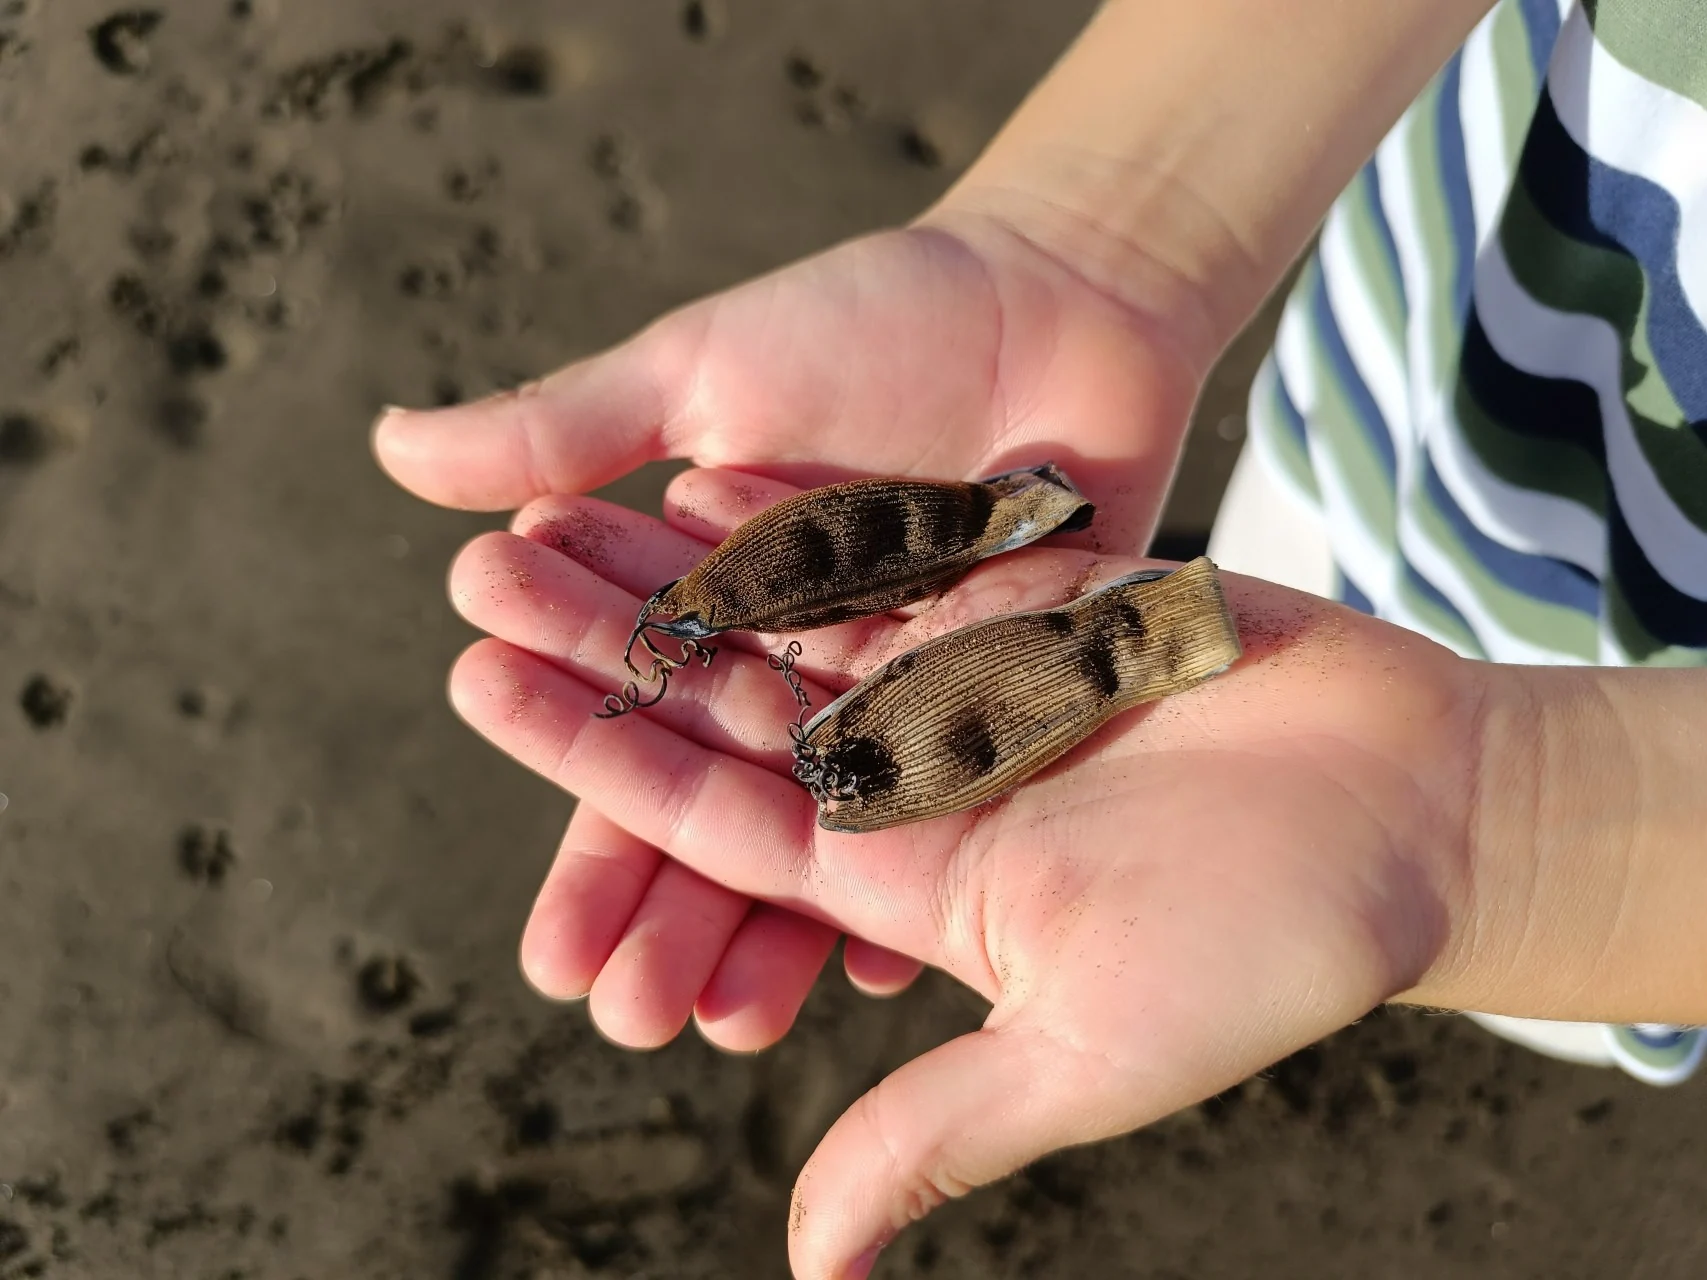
{"x":577,"y":429}
{"x":967,"y":1113}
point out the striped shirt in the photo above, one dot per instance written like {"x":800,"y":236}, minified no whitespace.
{"x":1491,"y":376}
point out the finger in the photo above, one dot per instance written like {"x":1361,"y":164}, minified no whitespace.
{"x":527,"y":594}
{"x":967,"y":1113}
{"x":645,"y":993}
{"x":585,"y":908}
{"x":710,"y":503}
{"x":878,"y":971}
{"x":597,"y":880}
{"x":1214,"y":981}
{"x":575,"y":430}
{"x":752,"y":829}
{"x":702,"y":507}
{"x":624,"y":547}
{"x":688,"y":800}
{"x":763,"y":979}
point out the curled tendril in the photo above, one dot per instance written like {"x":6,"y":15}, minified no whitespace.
{"x":629,"y":699}
{"x":808,"y":760}
{"x":784,"y":662}
{"x":823,"y":780}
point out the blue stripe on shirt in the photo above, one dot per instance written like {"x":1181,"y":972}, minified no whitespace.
{"x":1384,"y":230}
{"x":1350,"y":595}
{"x":1370,"y":420}
{"x":1428,"y":591}
{"x":1541,"y":24}
{"x":1539,"y":577}
{"x":1455,"y":186}
{"x":1287,"y":410}
{"x":1595,"y":204}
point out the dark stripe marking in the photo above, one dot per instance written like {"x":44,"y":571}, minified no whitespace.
{"x":1096,"y":664}
{"x":880,"y":536}
{"x":1058,"y":622}
{"x":961,"y":517}
{"x":867,"y":761}
{"x":1131,"y":619}
{"x":968,"y":740}
{"x":816,"y":552}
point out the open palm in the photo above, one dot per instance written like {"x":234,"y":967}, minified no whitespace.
{"x":1206,"y":885}
{"x":1203,"y":887}
{"x":914,"y":352}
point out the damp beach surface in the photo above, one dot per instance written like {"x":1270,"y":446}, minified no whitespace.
{"x":260,"y":893}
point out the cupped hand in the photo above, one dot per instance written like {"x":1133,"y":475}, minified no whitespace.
{"x":951,"y":350}
{"x":1206,"y":885}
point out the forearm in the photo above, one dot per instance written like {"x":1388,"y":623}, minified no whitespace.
{"x":1589,"y":848}
{"x":1180,"y":155}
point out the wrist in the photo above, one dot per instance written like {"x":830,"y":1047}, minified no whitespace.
{"x":1582,"y":848}
{"x":1127,"y":243}
{"x":1180,"y":156}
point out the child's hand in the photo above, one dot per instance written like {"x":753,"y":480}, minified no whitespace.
{"x":1208,"y":884}
{"x":920,"y":352}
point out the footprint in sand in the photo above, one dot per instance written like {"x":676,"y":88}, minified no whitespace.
{"x":121,"y":42}
{"x":206,"y":853}
{"x":27,"y":439}
{"x":271,"y":974}
{"x":525,"y":71}
{"x":703,"y":19}
{"x":633,"y":205}
{"x":182,"y":420}
{"x":917,"y":147}
{"x":580,"y":1207}
{"x":819,"y":103}
{"x":46,"y":701}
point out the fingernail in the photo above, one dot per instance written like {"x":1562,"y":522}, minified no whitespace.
{"x":379,"y":437}
{"x":861,"y":1266}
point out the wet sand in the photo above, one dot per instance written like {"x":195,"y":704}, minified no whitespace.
{"x":260,"y":892}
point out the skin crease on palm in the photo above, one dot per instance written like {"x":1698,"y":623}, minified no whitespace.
{"x":1100,"y":953}
{"x":1143,"y":942}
